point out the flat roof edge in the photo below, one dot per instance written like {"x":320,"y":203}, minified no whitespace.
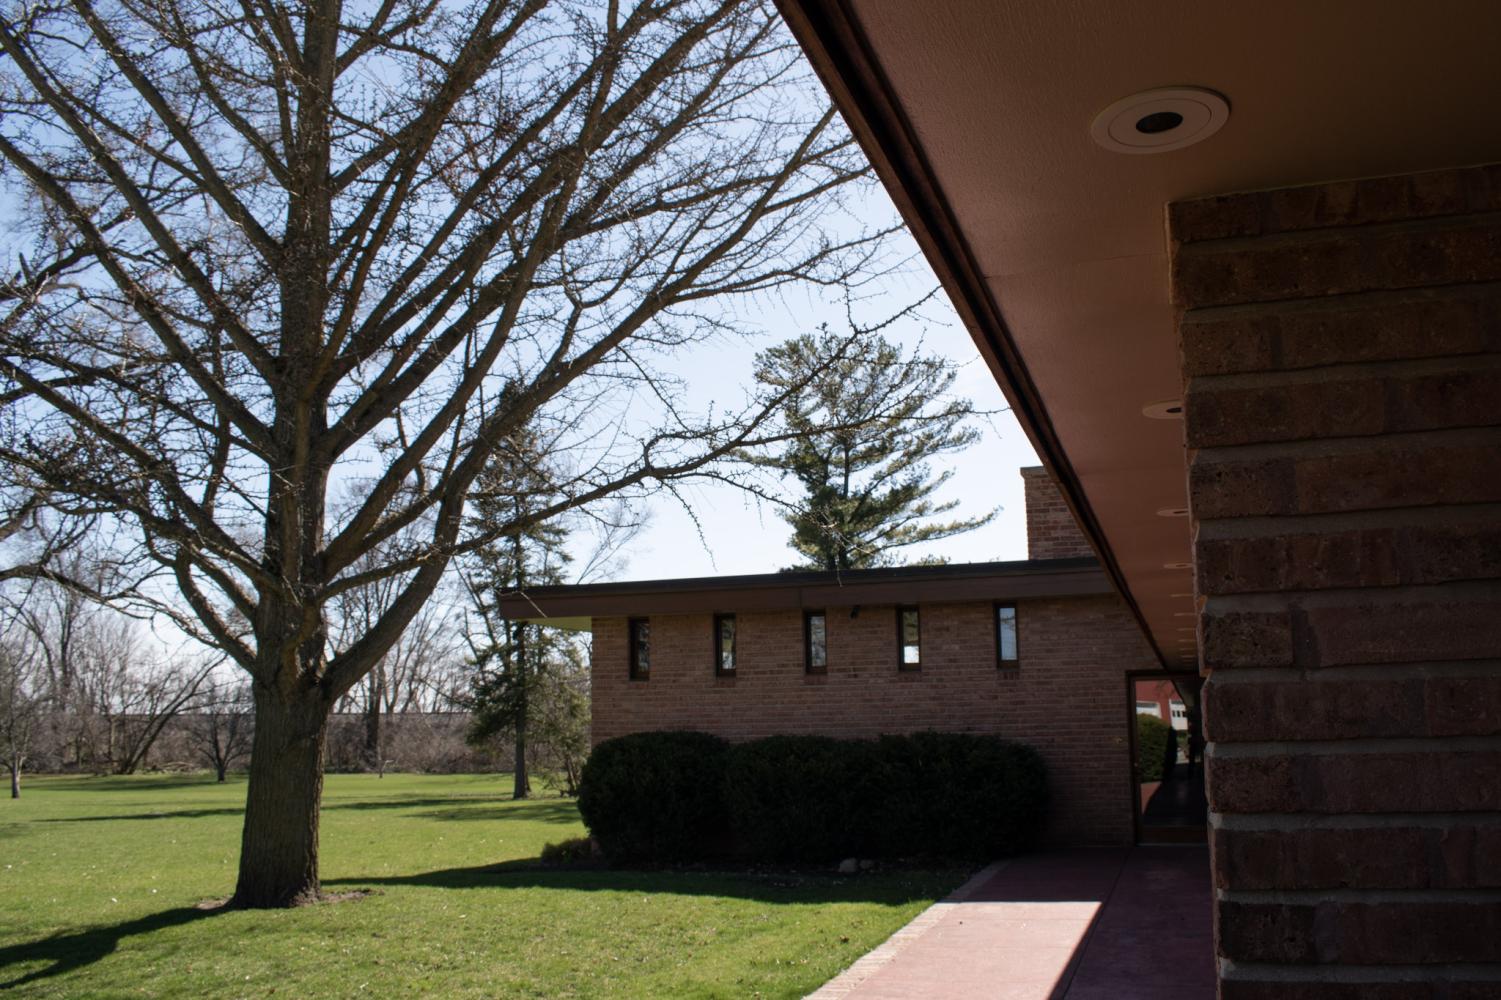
{"x":785,"y":591}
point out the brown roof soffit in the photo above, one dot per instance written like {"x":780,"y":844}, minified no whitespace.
{"x":830,"y":34}
{"x":785,"y":591}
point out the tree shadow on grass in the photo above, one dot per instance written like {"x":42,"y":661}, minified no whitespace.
{"x":408,"y":803}
{"x":889,"y":887}
{"x":532,"y":810}
{"x":67,"y":952}
{"x":163,"y":814}
{"x":118,"y":783}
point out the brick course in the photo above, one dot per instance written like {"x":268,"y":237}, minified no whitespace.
{"x":1341,"y":349}
{"x":1067,"y":698}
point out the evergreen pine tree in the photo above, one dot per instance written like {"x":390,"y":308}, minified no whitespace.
{"x":528,"y":679}
{"x":865,"y":433}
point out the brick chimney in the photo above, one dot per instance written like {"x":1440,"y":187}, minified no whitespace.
{"x":1052,"y":532}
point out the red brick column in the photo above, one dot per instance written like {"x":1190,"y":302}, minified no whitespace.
{"x":1342,"y":357}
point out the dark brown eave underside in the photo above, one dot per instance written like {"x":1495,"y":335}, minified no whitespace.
{"x":831,"y":37}
{"x":999,"y":581}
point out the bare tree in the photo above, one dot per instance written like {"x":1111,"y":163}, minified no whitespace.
{"x":21,"y":705}
{"x":147,"y":699}
{"x":108,"y":697}
{"x":267,"y":246}
{"x":219,"y":730}
{"x":413,"y":676}
{"x":83,"y":653}
{"x":42,"y":541}
{"x":410,"y":676}
{"x":21,"y":520}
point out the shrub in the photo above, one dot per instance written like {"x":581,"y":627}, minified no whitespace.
{"x":811,"y":798}
{"x":655,"y":796}
{"x":675,"y":796}
{"x":957,"y":795}
{"x":1152,"y":738}
{"x":800,"y":798}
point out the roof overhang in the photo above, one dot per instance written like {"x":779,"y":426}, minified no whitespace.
{"x":977,"y":114}
{"x":568,"y":606}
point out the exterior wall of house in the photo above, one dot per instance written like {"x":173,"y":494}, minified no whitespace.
{"x":1068,"y":696}
{"x":1052,"y":532}
{"x":1342,"y":358}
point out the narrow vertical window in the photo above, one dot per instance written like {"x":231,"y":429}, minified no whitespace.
{"x":724,"y":645}
{"x":640,"y":648}
{"x":815,"y":642}
{"x":909,"y":638}
{"x":1005,"y":636}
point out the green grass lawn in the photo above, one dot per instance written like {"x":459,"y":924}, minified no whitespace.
{"x":101,"y":881}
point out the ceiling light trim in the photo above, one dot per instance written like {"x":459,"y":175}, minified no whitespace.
{"x":1160,"y":120}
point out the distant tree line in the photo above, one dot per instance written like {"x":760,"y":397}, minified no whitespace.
{"x":84,"y":690}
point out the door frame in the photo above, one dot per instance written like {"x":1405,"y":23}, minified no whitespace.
{"x":1132,"y":775}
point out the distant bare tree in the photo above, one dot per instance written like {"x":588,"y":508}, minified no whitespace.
{"x":83,"y":653}
{"x":272,"y":245}
{"x":21,"y":706}
{"x":147,"y":698}
{"x":219,"y":730}
{"x":412,"y":676}
{"x":107,"y":697}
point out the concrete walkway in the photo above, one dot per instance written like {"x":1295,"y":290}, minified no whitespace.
{"x":1086,"y":924}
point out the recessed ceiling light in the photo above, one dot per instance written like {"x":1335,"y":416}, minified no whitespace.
{"x":1172,"y":512}
{"x":1164,"y":409}
{"x":1156,"y":121}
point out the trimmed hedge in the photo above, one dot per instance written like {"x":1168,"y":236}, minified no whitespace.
{"x":958,"y":795}
{"x":1152,"y":736}
{"x":802,"y":798}
{"x":655,"y":796}
{"x":815,"y":798}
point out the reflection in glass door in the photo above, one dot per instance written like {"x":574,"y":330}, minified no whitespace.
{"x":1168,"y":758}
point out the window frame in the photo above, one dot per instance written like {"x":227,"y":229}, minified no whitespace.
{"x":1001,"y":662}
{"x":715,"y":637}
{"x":809,"y":667}
{"x":636,"y":672}
{"x":901,"y":643}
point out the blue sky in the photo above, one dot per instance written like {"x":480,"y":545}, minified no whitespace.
{"x":741,"y":534}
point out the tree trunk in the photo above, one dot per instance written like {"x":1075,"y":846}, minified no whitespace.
{"x":523,"y":785}
{"x":375,"y":751}
{"x":15,"y":782}
{"x":279,"y":848}
{"x":219,"y":770}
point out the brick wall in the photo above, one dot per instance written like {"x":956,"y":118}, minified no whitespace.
{"x":1342,"y":356}
{"x":1052,"y":532}
{"x":1067,"y":698}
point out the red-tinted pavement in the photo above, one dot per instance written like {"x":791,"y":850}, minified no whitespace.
{"x":1086,"y":924}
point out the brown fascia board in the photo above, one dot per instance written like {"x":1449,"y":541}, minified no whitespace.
{"x":993,"y":581}
{"x":830,"y":34}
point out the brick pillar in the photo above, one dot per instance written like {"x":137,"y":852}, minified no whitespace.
{"x":1052,"y":532}
{"x":1342,"y":361}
